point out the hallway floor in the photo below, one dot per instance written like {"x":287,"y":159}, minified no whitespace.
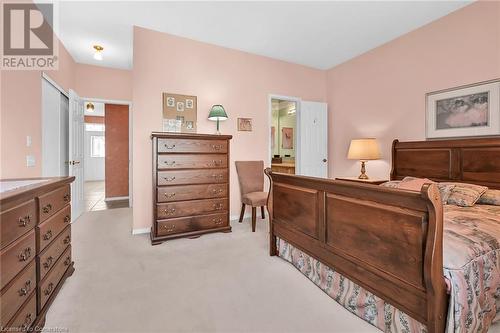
{"x":95,"y":197}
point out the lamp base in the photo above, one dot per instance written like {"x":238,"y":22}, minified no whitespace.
{"x":363,"y":171}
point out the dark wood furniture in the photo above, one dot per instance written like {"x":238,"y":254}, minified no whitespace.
{"x":190,"y":185}
{"x":390,"y":242}
{"x":363,"y":181}
{"x":35,"y":251}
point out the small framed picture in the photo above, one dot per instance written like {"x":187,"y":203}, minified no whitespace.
{"x":170,"y":102}
{"x":181,"y":118}
{"x":180,"y":106}
{"x":189,"y":125}
{"x":245,"y":124}
{"x":189,"y":103}
{"x":171,"y":125}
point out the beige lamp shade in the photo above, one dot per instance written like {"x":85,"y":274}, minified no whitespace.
{"x":363,"y":150}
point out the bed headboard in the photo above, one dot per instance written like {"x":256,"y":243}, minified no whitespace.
{"x":475,"y":161}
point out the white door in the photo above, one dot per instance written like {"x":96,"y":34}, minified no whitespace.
{"x":313,"y":139}
{"x":76,"y":153}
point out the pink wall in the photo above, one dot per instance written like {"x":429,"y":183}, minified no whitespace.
{"x":102,"y":82}
{"x":21,"y":102}
{"x":20,"y":115}
{"x":238,"y":80}
{"x":382,"y":92}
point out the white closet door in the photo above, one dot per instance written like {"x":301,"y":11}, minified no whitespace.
{"x":76,"y":153}
{"x":51,"y":156}
{"x":313,"y":139}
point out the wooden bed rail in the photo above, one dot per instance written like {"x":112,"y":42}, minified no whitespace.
{"x":388,"y":241}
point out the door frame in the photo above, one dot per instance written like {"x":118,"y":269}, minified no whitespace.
{"x":296,"y":138}
{"x":130,"y":141}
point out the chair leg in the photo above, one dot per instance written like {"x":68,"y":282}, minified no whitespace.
{"x":262,"y":212}
{"x":254,"y":217}
{"x":242,"y":212}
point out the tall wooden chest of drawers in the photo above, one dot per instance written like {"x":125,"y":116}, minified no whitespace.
{"x":190,"y":185}
{"x":35,"y":250}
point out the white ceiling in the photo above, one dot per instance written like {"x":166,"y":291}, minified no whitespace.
{"x":316,"y":34}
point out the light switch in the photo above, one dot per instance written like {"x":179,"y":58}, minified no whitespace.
{"x":28,"y":141}
{"x":30,"y":160}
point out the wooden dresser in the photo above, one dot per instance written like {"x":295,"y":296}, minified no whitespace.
{"x":35,"y":250}
{"x":190,"y":185}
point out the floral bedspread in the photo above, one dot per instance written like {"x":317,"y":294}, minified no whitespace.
{"x":471,"y":265}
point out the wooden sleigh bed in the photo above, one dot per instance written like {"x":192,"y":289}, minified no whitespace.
{"x":388,"y":242}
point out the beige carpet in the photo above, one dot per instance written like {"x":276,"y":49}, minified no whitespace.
{"x":216,"y":283}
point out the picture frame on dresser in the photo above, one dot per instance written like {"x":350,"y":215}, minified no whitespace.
{"x":191,"y":180}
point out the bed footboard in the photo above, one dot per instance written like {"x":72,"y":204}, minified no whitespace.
{"x":387,"y":241}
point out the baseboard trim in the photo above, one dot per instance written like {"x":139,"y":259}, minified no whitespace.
{"x":140,"y":231}
{"x":116,"y":198}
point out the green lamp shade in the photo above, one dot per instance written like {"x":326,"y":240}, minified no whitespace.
{"x":217,"y":112}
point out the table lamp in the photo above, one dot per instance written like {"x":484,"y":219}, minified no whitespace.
{"x":217,"y":113}
{"x":363,"y":150}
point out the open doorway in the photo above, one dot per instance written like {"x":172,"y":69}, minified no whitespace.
{"x":283,"y":135}
{"x":106,"y":168}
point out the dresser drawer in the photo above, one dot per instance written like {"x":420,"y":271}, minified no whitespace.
{"x":17,"y":293}
{"x":183,"y":161}
{"x":192,"y":223}
{"x":191,"y":146}
{"x":17,"y":221}
{"x":52,"y":202}
{"x":191,"y":192}
{"x":48,"y":230}
{"x":188,"y":208}
{"x":192,"y":177}
{"x":49,"y":284}
{"x":16,"y":256}
{"x":47,"y":259}
{"x":24,"y":316}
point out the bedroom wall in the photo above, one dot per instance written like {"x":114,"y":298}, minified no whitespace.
{"x":382,"y":92}
{"x":21,"y":103}
{"x":240,"y":81}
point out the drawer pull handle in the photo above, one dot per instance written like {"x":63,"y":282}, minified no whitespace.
{"x":27,"y":322}
{"x":48,"y":235}
{"x":46,"y":209}
{"x":217,"y":221}
{"x":48,"y":263}
{"x":67,"y":239}
{"x":169,"y":179}
{"x":217,"y":163}
{"x":49,"y":289}
{"x":218,"y":206}
{"x":217,"y":147}
{"x":67,"y":261}
{"x":170,"y":195}
{"x":67,"y":219}
{"x":169,"y":147}
{"x":25,"y":255}
{"x":24,"y":221}
{"x":169,"y":211}
{"x":169,"y":228}
{"x":26,"y":289}
{"x":66,"y":197}
{"x":217,"y":191}
{"x":170,"y":163}
{"x":219,"y":176}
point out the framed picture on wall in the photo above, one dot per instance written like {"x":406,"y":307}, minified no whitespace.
{"x":245,"y":124}
{"x":287,"y":138}
{"x":472,"y":110}
{"x":180,"y":108}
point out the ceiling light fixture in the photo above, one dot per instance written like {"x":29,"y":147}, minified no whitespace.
{"x":98,"y":52}
{"x":90,"y":106}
